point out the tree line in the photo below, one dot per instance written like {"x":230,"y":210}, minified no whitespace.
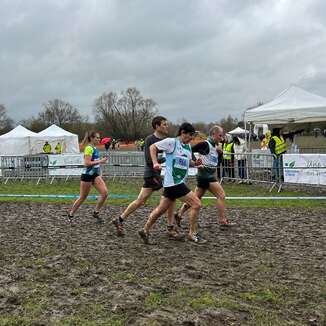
{"x":126,"y":116}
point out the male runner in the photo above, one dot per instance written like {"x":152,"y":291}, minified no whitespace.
{"x":206,"y":176}
{"x":152,"y":180}
{"x":178,"y":159}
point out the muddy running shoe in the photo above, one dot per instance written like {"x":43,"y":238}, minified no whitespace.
{"x":144,"y":235}
{"x":97,"y":217}
{"x":177,"y":219}
{"x":196,"y":238}
{"x":225,"y":223}
{"x":175,"y":234}
{"x":119,"y":227}
{"x":70,"y":218}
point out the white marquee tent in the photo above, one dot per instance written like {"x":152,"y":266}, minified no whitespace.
{"x":53,"y":135}
{"x":21,"y":141}
{"x":294,"y":105}
{"x":17,"y":141}
{"x":238,"y":131}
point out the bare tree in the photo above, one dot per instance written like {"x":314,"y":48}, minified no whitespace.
{"x":127,"y":116}
{"x":60,"y":113}
{"x":6,"y":123}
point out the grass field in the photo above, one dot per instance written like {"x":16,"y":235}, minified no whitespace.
{"x":131,"y":188}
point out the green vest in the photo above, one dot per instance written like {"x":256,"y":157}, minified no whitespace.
{"x":227,"y":151}
{"x":47,"y":148}
{"x":280,"y":145}
{"x":58,"y":149}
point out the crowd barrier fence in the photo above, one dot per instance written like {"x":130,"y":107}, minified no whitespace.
{"x":257,"y":167}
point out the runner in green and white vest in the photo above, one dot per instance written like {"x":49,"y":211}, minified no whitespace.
{"x":206,"y":176}
{"x":178,"y":160}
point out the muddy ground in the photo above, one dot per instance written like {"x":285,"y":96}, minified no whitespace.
{"x":268,"y":270}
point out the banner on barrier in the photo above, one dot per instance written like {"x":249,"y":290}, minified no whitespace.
{"x":305,"y":168}
{"x":66,"y":164}
{"x":66,"y":160}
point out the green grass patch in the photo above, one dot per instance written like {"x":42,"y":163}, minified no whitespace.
{"x":154,"y":300}
{"x":262,"y":296}
{"x":131,"y":189}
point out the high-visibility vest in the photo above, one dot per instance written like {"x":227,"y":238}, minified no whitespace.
{"x":47,"y":148}
{"x":227,"y":151}
{"x":280,"y":145}
{"x":58,"y":148}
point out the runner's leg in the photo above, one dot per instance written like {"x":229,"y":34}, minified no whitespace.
{"x":163,"y":206}
{"x":85,"y":188}
{"x":143,"y":196}
{"x":179,"y":214}
{"x":100,"y":185}
{"x":192,"y":200}
{"x":216,"y":189}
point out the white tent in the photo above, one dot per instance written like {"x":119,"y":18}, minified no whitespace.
{"x":54,"y":135}
{"x":238,"y":131}
{"x":294,"y":105}
{"x":17,"y":141}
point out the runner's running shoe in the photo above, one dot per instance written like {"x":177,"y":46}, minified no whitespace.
{"x":144,"y":235}
{"x":119,"y":227}
{"x":174,"y":234}
{"x":97,"y":217}
{"x":177,"y":219}
{"x":226,"y":223}
{"x":196,"y":238}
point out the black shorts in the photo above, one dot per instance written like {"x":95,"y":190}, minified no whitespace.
{"x":204,"y":183}
{"x":89,"y":177}
{"x":175,"y":192}
{"x":155,"y":183}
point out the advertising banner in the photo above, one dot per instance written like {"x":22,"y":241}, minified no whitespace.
{"x":66,"y":164}
{"x":305,"y":168}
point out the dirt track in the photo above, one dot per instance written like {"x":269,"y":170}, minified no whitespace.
{"x":269,"y":268}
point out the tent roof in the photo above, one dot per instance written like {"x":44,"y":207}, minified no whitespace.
{"x":292,"y":105}
{"x":238,"y":131}
{"x":19,"y":132}
{"x":55,"y":131}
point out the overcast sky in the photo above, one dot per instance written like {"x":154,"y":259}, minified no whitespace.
{"x":198,"y":59}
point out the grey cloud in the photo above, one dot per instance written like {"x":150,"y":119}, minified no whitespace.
{"x":199,"y":59}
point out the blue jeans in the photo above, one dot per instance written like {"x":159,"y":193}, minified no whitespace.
{"x":242,"y":168}
{"x":277,"y":168}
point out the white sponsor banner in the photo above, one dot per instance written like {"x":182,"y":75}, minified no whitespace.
{"x":66,"y":160}
{"x":66,"y":164}
{"x":305,"y":168}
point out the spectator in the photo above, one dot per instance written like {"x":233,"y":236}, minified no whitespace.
{"x":58,"y":148}
{"x":239,"y":153}
{"x":228,"y":158}
{"x":47,"y":149}
{"x":114,"y":142}
{"x":278,"y":147}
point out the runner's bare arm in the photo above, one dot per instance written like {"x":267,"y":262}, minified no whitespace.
{"x":153,"y":153}
{"x":88,"y":161}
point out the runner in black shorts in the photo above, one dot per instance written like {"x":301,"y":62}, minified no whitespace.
{"x":152,"y":180}
{"x":178,"y":159}
{"x":91,"y":176}
{"x":206,"y":177}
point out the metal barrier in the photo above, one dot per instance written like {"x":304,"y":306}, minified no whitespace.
{"x":249,"y":167}
{"x":242,"y":168}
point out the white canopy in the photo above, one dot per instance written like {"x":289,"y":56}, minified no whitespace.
{"x":294,"y":105}
{"x":17,"y":141}
{"x":238,"y":131}
{"x":54,"y":135}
